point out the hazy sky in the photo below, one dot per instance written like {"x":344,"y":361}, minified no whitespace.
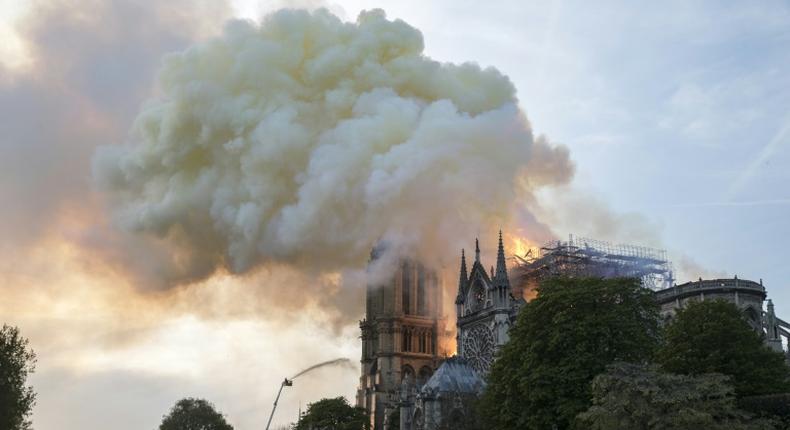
{"x":675,"y":114}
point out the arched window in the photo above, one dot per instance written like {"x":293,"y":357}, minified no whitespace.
{"x":374,"y":374}
{"x":407,"y":372}
{"x":422,"y":299}
{"x":406,"y":336}
{"x":406,"y":287}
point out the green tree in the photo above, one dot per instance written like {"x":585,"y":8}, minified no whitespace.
{"x":17,"y":361}
{"x":629,"y":397}
{"x":771,"y":406}
{"x":333,"y":414}
{"x":194,"y":414}
{"x":712,"y":336}
{"x":562,"y":339}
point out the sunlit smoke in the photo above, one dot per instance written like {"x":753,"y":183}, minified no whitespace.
{"x":306,"y":140}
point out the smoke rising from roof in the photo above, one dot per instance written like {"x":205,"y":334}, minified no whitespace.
{"x":305,"y":140}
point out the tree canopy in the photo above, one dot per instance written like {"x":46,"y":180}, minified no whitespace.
{"x":194,"y":414}
{"x":17,"y":361}
{"x":563,"y":338}
{"x":712,"y":336}
{"x":632,"y":396}
{"x":333,"y":414}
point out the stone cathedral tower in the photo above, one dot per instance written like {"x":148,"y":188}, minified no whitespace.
{"x":400,"y":335}
{"x":486,"y":309}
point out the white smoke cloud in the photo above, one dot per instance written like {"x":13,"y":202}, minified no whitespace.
{"x":305,"y":139}
{"x":578,"y":210}
{"x":88,"y":72}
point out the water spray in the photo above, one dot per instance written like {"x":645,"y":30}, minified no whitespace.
{"x":289,"y":382}
{"x":336,"y":362}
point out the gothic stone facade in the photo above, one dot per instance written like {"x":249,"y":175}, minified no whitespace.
{"x":486,"y":309}
{"x":399,"y":338}
{"x":745,"y":294}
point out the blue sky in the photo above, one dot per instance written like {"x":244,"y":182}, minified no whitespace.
{"x":677,"y":111}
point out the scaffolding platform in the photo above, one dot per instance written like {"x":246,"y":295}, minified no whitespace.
{"x":583,"y":257}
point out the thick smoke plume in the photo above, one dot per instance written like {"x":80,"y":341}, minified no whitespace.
{"x":304,"y":139}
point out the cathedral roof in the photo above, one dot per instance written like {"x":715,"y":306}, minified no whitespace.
{"x":454,"y":375}
{"x":478,"y":271}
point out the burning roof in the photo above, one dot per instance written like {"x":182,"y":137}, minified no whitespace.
{"x":582,"y":257}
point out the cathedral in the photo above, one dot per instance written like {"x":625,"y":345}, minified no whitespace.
{"x":400,"y":335}
{"x":405,"y":383}
{"x":408,"y":384}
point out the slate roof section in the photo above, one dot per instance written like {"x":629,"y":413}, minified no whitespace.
{"x":455,"y":375}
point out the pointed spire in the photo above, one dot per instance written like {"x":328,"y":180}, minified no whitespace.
{"x":463,"y":280}
{"x":501,"y":267}
{"x":477,"y":250}
{"x":464,"y":277}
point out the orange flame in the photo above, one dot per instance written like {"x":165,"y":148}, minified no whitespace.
{"x":520,"y":246}
{"x":523,"y":248}
{"x":447,"y":343}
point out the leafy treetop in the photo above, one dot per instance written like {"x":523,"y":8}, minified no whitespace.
{"x":194,"y":414}
{"x":632,"y":396}
{"x":17,"y":361}
{"x":333,"y":414}
{"x":712,"y":336}
{"x":563,"y":338}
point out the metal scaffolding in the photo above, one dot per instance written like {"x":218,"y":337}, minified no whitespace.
{"x":582,"y":257}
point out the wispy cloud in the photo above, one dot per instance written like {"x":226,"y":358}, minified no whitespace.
{"x":748,"y":203}
{"x":780,"y":138}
